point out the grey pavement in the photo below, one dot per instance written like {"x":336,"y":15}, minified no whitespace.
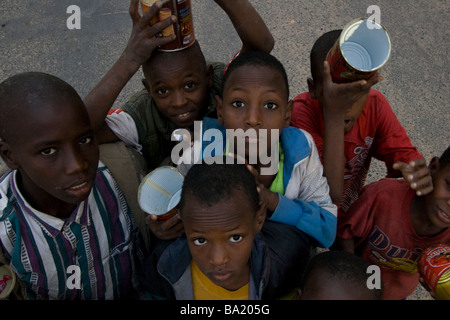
{"x":34,"y":37}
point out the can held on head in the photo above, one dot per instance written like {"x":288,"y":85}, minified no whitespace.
{"x":359,"y":52}
{"x":160,"y":191}
{"x":434,"y":266}
{"x":183,"y":29}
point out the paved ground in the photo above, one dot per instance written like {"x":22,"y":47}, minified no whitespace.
{"x":34,"y":37}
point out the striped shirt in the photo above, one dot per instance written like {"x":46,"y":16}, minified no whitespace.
{"x":86,"y":256}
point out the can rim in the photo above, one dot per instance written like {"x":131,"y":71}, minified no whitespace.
{"x":348,"y":31}
{"x":143,"y":181}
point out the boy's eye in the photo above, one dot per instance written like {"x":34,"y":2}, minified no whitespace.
{"x":199,"y":241}
{"x":235,"y":238}
{"x":161,"y":91}
{"x":238,"y":104}
{"x":270,"y":105}
{"x":189,"y":85}
{"x":85,"y":140}
{"x":48,"y":151}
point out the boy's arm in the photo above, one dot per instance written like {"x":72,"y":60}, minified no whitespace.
{"x":337,"y":98}
{"x":140,"y":45}
{"x":249,"y":25}
{"x":311,"y":210}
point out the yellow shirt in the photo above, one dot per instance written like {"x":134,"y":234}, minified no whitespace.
{"x":205,"y":289}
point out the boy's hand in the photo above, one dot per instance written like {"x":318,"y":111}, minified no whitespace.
{"x":165,"y":230}
{"x":267,"y":197}
{"x":341,"y":96}
{"x":145,"y":38}
{"x":417,"y":174}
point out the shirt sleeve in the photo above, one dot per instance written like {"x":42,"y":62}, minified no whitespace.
{"x":392,"y":141}
{"x":306,"y":115}
{"x":123,"y":126}
{"x":357,"y":221}
{"x":307,"y":205}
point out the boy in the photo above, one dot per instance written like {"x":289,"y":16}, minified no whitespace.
{"x":256,"y":98}
{"x":179,"y":88}
{"x":222,"y":255}
{"x":389,"y":225}
{"x":337,"y":275}
{"x":352,"y":123}
{"x":65,"y":227}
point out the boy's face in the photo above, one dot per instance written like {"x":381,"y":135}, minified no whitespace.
{"x":353,"y":112}
{"x":56,"y":154}
{"x":255,"y":98}
{"x":220,"y":237}
{"x":179,"y":83}
{"x":438,"y":201}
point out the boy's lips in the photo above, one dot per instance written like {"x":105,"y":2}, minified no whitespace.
{"x":184,"y":116}
{"x":444,"y":216}
{"x":80,"y":188}
{"x":221,"y":276}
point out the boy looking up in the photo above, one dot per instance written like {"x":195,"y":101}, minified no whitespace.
{"x":256,"y":97}
{"x":351,"y":124}
{"x":59,"y":206}
{"x":222,"y":254}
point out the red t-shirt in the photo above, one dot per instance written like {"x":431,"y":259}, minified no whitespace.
{"x":380,"y":223}
{"x":377,"y":133}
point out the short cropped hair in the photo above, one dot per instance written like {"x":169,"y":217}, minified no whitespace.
{"x":29,"y":91}
{"x":257,"y":59}
{"x":444,"y":160}
{"x":342,"y":265}
{"x":213,"y":183}
{"x":320,"y":50}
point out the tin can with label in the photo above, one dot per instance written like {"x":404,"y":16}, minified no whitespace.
{"x":183,"y":29}
{"x":434,"y":266}
{"x":359,"y":52}
{"x":160,"y":191}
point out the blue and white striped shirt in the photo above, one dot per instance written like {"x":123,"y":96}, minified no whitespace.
{"x":98,"y":239}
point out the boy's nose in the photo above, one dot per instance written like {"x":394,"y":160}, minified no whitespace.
{"x":75,"y":162}
{"x":178,"y":99}
{"x":218,"y":257}
{"x":254,"y":117}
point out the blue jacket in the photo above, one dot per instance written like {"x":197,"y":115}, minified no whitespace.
{"x":306,"y":202}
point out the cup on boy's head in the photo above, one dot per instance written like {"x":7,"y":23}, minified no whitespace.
{"x":184,"y":27}
{"x":160,"y":191}
{"x":359,"y":52}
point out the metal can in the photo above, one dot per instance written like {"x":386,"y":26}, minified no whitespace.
{"x":434,"y":266}
{"x":359,"y":52}
{"x":183,"y":28}
{"x":160,"y":191}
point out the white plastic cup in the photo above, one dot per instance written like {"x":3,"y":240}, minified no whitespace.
{"x":160,"y":191}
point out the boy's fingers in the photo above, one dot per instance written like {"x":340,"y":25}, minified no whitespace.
{"x":418,"y":163}
{"x":134,"y":11}
{"x":400,"y":166}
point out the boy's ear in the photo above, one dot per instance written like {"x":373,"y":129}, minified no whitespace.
{"x":8,"y":156}
{"x":288,"y":116}
{"x":219,"y":108}
{"x":146,"y":85}
{"x":260,"y":216}
{"x":311,"y":88}
{"x":434,"y":165}
{"x":210,"y":75}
